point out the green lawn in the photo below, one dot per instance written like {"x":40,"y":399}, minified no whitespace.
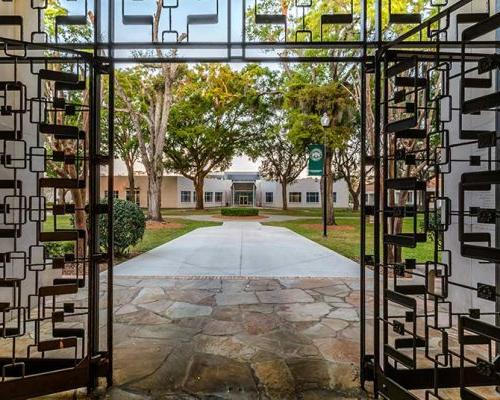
{"x":190,"y":211}
{"x":298,"y":212}
{"x":309,"y":212}
{"x":345,"y":237}
{"x":154,"y":236}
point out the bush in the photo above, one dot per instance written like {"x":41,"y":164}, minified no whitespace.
{"x":129,"y":224}
{"x":59,"y":249}
{"x":239,"y":212}
{"x":433,"y":226}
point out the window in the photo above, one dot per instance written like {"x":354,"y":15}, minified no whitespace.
{"x":133,"y":197}
{"x":334,"y":197}
{"x":115,"y":194}
{"x":209,"y":197}
{"x":269,"y":197}
{"x":295,"y":197}
{"x":194,"y":197}
{"x":312,"y":197}
{"x":218,"y":197}
{"x":185,"y":196}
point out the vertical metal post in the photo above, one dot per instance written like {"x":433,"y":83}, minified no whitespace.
{"x":376,"y":228}
{"x":325,"y":188}
{"x":376,"y":205}
{"x":93,"y":273}
{"x":497,"y":197}
{"x":244,"y":30}
{"x":385,"y":227}
{"x":94,"y":173}
{"x":362,"y":216}
{"x":111,"y":145}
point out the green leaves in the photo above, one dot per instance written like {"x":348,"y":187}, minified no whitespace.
{"x":129,"y":225}
{"x":211,"y":120}
{"x":307,"y":102}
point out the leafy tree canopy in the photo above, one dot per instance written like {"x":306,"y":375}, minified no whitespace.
{"x":308,"y":102}
{"x":211,"y":121}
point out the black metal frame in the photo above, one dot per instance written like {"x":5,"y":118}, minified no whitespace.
{"x":26,"y":68}
{"x":404,"y":76}
{"x":376,"y":57}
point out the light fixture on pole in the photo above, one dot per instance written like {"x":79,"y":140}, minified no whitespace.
{"x":325,"y":123}
{"x":325,"y":120}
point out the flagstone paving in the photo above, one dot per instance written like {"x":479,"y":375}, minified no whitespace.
{"x":236,"y":339}
{"x":240,"y":339}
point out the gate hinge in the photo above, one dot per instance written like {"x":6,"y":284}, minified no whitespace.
{"x":101,"y":361}
{"x":369,"y":367}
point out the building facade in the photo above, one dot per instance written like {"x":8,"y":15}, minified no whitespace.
{"x":245,"y":189}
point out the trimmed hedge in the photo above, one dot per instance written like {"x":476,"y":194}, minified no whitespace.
{"x":239,"y":212}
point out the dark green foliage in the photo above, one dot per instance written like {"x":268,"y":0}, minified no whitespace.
{"x":239,"y":212}
{"x":129,"y":224}
{"x":58,"y":249}
{"x":433,"y":226}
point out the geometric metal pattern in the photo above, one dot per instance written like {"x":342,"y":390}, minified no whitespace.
{"x":434,"y":107}
{"x":435,"y":85}
{"x":49,"y":262}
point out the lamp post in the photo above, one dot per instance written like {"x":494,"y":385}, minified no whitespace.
{"x":325,"y":123}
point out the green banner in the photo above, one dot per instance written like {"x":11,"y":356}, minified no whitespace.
{"x":315,"y":164}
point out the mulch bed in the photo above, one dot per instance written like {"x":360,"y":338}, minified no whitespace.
{"x":247,"y":218}
{"x":164,"y":225}
{"x":339,"y":228}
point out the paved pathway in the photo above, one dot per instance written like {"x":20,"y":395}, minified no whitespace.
{"x":233,"y":339}
{"x":263,"y":217}
{"x":240,"y":249}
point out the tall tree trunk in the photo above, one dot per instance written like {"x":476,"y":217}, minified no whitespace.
{"x":396,"y":226}
{"x":355,"y":201}
{"x":283,"y":195}
{"x":131,"y":178}
{"x":330,"y":215}
{"x":355,"y":197}
{"x":80,"y":219}
{"x":198,"y":187}
{"x":154,"y":197}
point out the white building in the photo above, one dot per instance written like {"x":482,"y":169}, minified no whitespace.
{"x":228,"y":189}
{"x":304,"y":192}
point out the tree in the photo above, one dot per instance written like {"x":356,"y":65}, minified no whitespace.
{"x":210,"y":123}
{"x":148,"y":94}
{"x":306,"y":103}
{"x":282,"y":161}
{"x":79,"y":119}
{"x":127,"y":147}
{"x":346,"y":164}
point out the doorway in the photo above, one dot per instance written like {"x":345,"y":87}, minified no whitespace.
{"x":243,"y":200}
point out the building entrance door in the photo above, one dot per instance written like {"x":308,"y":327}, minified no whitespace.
{"x":243,"y":200}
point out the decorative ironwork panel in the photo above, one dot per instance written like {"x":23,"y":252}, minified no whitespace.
{"x":49,"y":260}
{"x":436,"y":245}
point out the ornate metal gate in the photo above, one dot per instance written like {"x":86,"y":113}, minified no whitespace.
{"x":436,"y":315}
{"x":50,"y":259}
{"x":431,"y":153}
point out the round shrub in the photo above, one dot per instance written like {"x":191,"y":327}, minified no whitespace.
{"x":129,"y":224}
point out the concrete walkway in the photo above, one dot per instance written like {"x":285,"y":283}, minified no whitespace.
{"x":263,"y":217}
{"x":240,"y":249}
